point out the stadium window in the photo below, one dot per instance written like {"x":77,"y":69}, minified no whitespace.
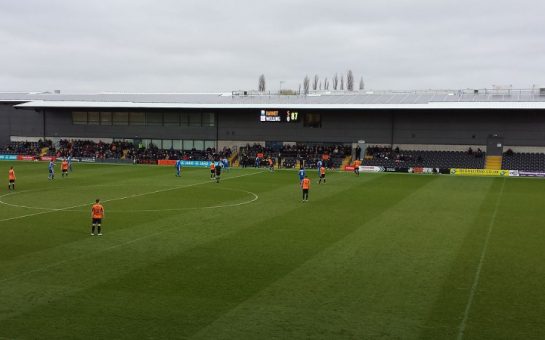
{"x":171,"y":118}
{"x":154,"y":118}
{"x":208,"y":119}
{"x":188,"y":144}
{"x":198,"y":145}
{"x":312,"y":120}
{"x":146,"y":142}
{"x":167,"y":143}
{"x":209,"y":144}
{"x":177,"y":144}
{"x":105,"y":118}
{"x":93,"y":118}
{"x":184,"y":119}
{"x":79,"y":118}
{"x":137,"y":118}
{"x":195,"y":119}
{"x":157,"y":143}
{"x":120,"y":118}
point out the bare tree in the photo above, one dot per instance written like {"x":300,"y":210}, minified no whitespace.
{"x":350,"y":81}
{"x":320,"y":86}
{"x":306,"y":85}
{"x":299,"y":88}
{"x":335,"y":81}
{"x":261,"y":83}
{"x":362,"y":84}
{"x":315,"y":82}
{"x":342,"y":82}
{"x":326,"y":84}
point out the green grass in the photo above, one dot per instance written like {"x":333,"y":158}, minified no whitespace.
{"x":377,"y":256}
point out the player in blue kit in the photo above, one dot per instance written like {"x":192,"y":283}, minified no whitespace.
{"x":302,"y":174}
{"x":51,"y":170}
{"x":69,"y":159}
{"x":178,"y":167}
{"x":318,"y":166}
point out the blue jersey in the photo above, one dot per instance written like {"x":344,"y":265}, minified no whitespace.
{"x":319,"y":165}
{"x":51,"y":166}
{"x":178,"y":164}
{"x":301,"y":174}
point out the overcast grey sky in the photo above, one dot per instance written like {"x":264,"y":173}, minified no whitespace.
{"x":209,"y":46}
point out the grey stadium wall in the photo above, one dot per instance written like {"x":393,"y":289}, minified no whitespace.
{"x":376,"y":126}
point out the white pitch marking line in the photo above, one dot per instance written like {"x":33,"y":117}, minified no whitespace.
{"x":463,"y":324}
{"x":116,"y":199}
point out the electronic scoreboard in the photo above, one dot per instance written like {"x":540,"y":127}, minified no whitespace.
{"x":281,"y":116}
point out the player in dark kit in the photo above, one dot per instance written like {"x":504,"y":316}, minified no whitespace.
{"x":218,"y":172}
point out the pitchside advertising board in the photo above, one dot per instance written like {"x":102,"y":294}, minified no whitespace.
{"x":172,"y":162}
{"x":8,"y":157}
{"x":479,"y":172}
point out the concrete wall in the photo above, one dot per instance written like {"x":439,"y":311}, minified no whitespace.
{"x":337,"y":126}
{"x":19,"y":122}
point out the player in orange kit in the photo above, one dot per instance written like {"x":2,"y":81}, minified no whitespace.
{"x":11,"y":177}
{"x":305,"y":185}
{"x":97,"y":214}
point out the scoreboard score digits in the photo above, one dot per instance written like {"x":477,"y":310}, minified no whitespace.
{"x":282,"y":116}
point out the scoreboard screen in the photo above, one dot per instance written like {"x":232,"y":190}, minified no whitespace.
{"x":281,"y":116}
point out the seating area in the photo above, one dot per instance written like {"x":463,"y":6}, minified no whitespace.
{"x":27,"y":148}
{"x":523,"y":161}
{"x":379,"y":156}
{"x":114,"y":150}
{"x":292,"y":156}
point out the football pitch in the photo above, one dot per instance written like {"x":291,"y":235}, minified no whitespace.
{"x":376,"y":256}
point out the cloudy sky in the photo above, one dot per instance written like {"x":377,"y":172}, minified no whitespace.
{"x":210,"y":46}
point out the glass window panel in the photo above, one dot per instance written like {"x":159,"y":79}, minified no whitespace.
{"x":177,"y":144}
{"x":188,"y":144}
{"x":154,"y":118}
{"x":79,"y":118}
{"x":157,"y":143}
{"x":195,"y":119}
{"x":121,"y":118}
{"x":171,"y":118}
{"x":105,"y":118}
{"x":209,"y":144}
{"x":312,"y":120}
{"x":198,"y":145}
{"x":137,"y":118}
{"x":208,"y":119}
{"x":167,"y":144}
{"x":146,"y":142}
{"x":93,"y":118}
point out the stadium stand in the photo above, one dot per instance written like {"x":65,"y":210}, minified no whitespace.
{"x":292,"y":156}
{"x":380,"y":156}
{"x":523,"y":161}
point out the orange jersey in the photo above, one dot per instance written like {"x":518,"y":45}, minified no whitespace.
{"x":97,"y":210}
{"x":305,"y":184}
{"x":64,"y":165}
{"x":11,"y":175}
{"x":322,"y":170}
{"x":212,"y":166}
{"x":357,"y":163}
